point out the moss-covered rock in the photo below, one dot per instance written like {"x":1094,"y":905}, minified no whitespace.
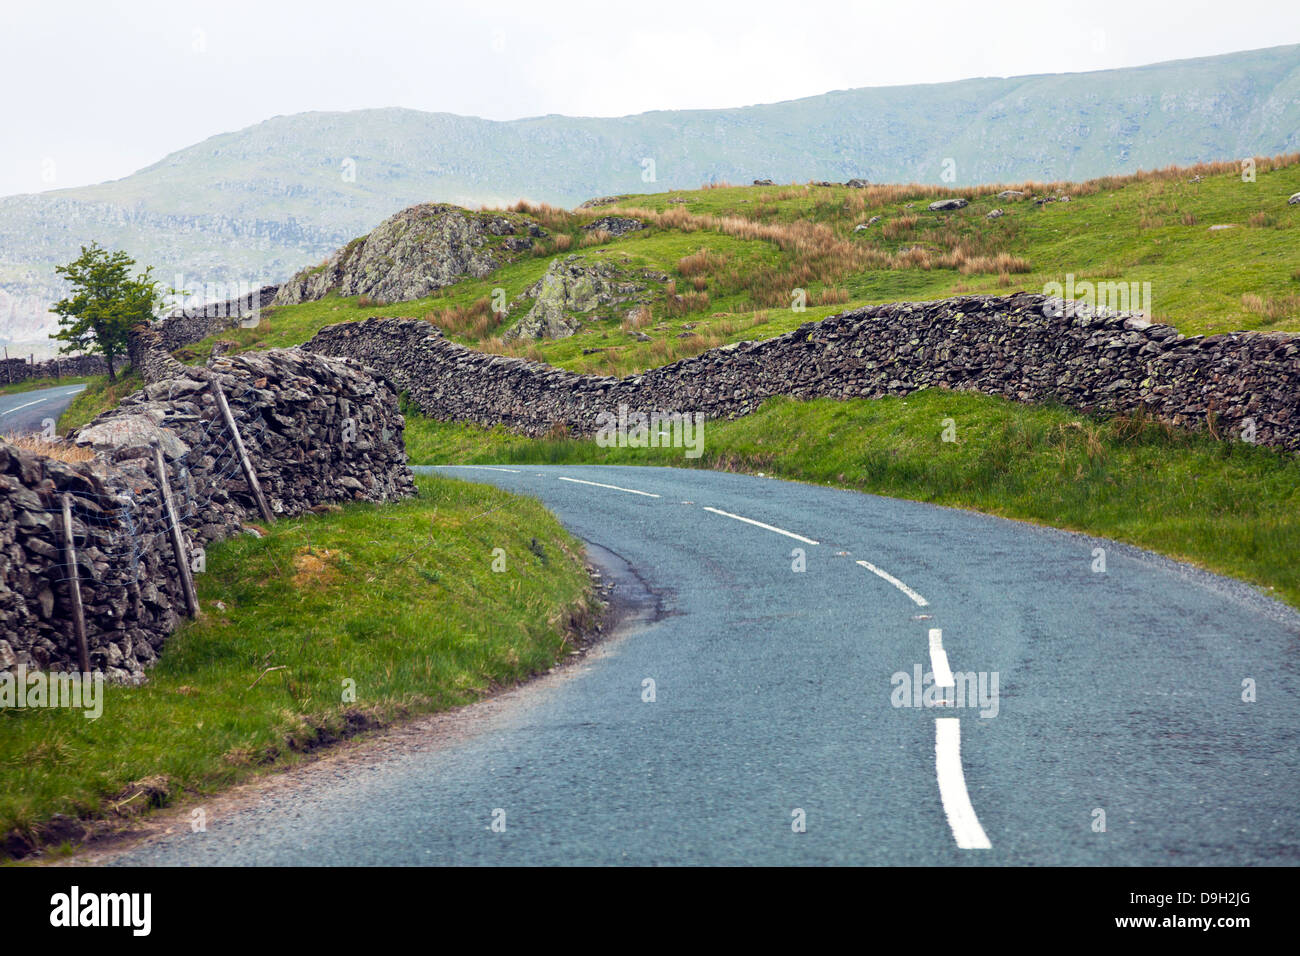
{"x":572,"y":288}
{"x":414,"y":253}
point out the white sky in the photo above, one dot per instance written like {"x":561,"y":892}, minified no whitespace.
{"x":91,"y":91}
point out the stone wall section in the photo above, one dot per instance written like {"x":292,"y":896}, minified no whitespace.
{"x":318,"y":430}
{"x":1023,"y":347}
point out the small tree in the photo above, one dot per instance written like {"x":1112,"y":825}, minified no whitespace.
{"x":105,"y":304}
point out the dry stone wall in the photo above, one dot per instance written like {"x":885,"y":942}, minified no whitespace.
{"x":148,"y":357}
{"x":20,"y":370}
{"x":318,"y":430}
{"x":1025,"y":347}
{"x":187,"y":326}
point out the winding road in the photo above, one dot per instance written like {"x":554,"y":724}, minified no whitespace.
{"x":25,"y":412}
{"x":781,"y":726}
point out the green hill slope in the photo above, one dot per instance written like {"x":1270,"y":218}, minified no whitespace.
{"x":735,"y":256}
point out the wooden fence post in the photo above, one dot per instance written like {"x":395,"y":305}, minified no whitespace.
{"x":250,"y":475}
{"x":74,"y":585}
{"x":178,"y":539}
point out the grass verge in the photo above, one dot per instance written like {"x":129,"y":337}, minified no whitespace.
{"x":100,"y":396}
{"x":401,"y":600}
{"x":1226,"y":506}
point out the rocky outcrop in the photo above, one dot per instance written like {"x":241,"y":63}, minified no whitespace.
{"x":602,"y":201}
{"x":317,"y":429}
{"x":414,"y":253}
{"x":614,"y":225}
{"x":945,"y":205}
{"x":573,"y":288}
{"x":1023,"y":347}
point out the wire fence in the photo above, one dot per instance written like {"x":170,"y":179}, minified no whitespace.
{"x":103,"y":533}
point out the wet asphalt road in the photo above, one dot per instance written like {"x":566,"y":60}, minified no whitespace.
{"x":1119,"y":693}
{"x":24,"y":412}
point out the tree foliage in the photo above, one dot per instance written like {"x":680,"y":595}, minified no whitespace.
{"x":105,"y":303}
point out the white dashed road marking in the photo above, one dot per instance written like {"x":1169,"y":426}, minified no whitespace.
{"x":21,"y":407}
{"x":939,"y":660}
{"x":920,"y":601}
{"x":597,"y":484}
{"x":759,"y":524}
{"x":48,"y":398}
{"x":966,"y":829}
{"x":965,"y":825}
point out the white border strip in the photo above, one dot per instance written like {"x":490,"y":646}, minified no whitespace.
{"x":920,"y":601}
{"x":597,"y":484}
{"x":939,"y":660}
{"x":966,"y":829}
{"x":759,"y":524}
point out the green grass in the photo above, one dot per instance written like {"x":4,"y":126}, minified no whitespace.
{"x":1144,"y":229}
{"x":654,"y":250}
{"x":401,"y":599}
{"x":1136,"y":229}
{"x":100,"y":396}
{"x":1227,"y":506}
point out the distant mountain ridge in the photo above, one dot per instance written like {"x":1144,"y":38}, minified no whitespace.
{"x":257,"y":204}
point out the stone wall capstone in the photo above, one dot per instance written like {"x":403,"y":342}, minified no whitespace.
{"x":1025,"y":347}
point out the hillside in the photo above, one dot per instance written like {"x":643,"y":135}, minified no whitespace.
{"x":253,"y":205}
{"x":721,"y":265}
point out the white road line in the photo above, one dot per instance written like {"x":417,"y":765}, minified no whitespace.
{"x":19,"y":408}
{"x":597,"y":484}
{"x":765,"y":527}
{"x":939,"y":660}
{"x":920,"y":601}
{"x":41,"y":401}
{"x":966,"y":829}
{"x":485,"y":468}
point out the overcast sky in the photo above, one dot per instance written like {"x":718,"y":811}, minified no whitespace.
{"x":91,"y":91}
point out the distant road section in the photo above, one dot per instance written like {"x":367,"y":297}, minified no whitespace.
{"x":23,"y":412}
